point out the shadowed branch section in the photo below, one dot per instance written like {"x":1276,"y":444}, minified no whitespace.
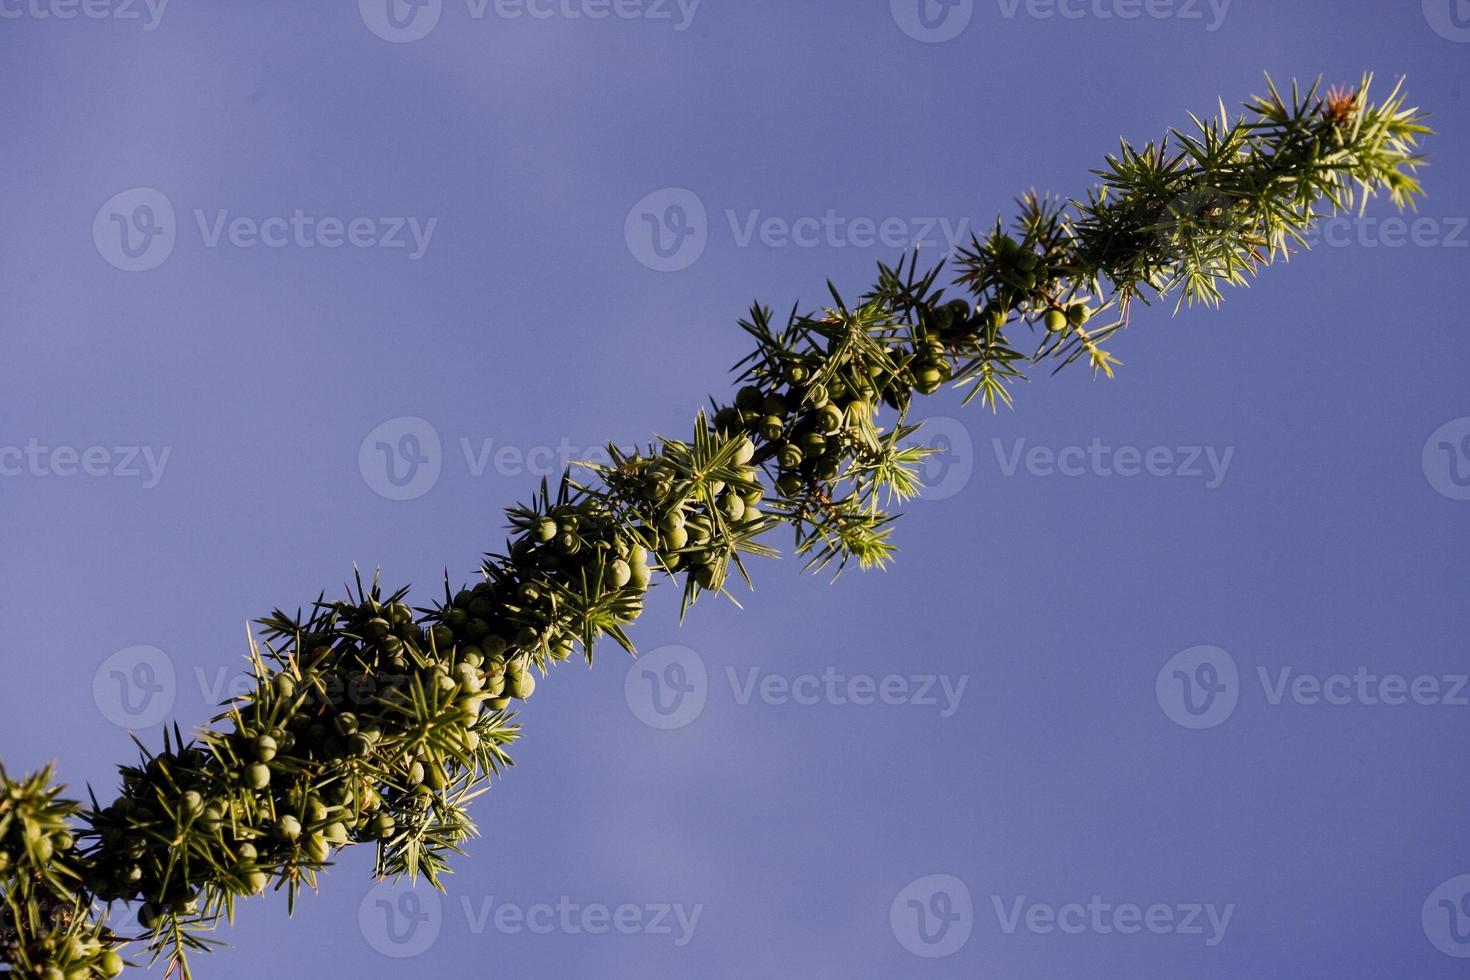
{"x":372,"y":721}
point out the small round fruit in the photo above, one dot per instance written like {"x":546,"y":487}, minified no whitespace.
{"x":640,"y":576}
{"x":1078,"y":314}
{"x":676,"y":539}
{"x":829,"y":419}
{"x":316,"y":849}
{"x":521,"y":686}
{"x":257,"y":776}
{"x":245,"y":852}
{"x":383,"y":825}
{"x":192,"y":803}
{"x":928,"y":378}
{"x":790,"y":485}
{"x":789,"y":456}
{"x":746,"y":451}
{"x":288,"y":827}
{"x":817,"y":395}
{"x":149,"y":916}
{"x":750,"y":399}
{"x":706,"y":575}
{"x":732,"y":507}
{"x":1056,"y":320}
{"x":345,"y":723}
{"x":619,"y":573}
{"x":772,"y":427}
{"x":265,"y":748}
{"x":545,"y":529}
{"x":795,"y":373}
{"x":470,"y":681}
{"x":109,"y":964}
{"x":256,"y":882}
{"x":284,"y":686}
{"x":359,"y":746}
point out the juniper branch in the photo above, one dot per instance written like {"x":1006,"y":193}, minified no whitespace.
{"x":374,"y":722}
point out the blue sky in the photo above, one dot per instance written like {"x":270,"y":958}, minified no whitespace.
{"x":429,"y":230}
